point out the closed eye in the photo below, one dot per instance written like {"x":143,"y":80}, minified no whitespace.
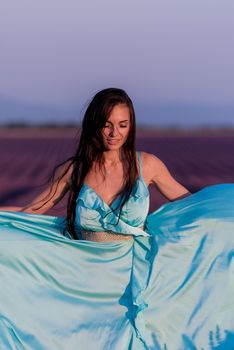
{"x":121,"y":126}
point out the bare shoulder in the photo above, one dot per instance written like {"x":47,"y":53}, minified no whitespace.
{"x":156,"y":173}
{"x":150,"y":161}
{"x":151,"y":165}
{"x":149,"y":158}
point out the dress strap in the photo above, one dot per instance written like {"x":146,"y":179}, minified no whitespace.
{"x":139,"y":162}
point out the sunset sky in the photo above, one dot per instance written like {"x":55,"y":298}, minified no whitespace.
{"x":174,"y":58}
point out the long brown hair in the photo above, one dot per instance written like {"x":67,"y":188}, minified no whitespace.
{"x":91,"y":148}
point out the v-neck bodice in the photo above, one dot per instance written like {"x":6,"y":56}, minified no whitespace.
{"x":89,"y":188}
{"x":94,"y":214}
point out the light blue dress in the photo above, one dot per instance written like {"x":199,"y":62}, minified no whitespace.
{"x":170,"y":288}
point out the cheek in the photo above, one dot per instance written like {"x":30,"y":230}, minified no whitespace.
{"x":126,"y":132}
{"x":104,"y":132}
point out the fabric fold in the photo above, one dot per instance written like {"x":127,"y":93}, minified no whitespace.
{"x":171,"y":287}
{"x":144,"y":252}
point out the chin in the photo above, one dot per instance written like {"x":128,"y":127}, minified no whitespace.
{"x":113,"y":147}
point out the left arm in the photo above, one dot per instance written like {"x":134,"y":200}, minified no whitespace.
{"x":160,"y":176}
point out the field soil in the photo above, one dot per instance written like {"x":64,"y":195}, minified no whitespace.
{"x":27,"y":158}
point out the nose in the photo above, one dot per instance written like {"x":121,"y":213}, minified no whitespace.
{"x":114,"y":131}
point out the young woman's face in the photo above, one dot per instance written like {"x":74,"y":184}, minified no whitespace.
{"x":116,"y":129}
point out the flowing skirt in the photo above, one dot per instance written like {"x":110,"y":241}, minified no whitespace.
{"x":172,"y":290}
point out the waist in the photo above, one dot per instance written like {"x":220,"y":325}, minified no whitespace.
{"x":103,"y":236}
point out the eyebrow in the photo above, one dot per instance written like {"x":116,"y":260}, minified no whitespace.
{"x":121,"y":121}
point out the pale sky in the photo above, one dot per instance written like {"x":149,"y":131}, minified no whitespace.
{"x":59,"y":53}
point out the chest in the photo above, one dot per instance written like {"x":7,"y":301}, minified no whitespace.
{"x":92,"y":213}
{"x":106,"y":188}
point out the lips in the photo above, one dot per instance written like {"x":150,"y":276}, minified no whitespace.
{"x":112,"y":141}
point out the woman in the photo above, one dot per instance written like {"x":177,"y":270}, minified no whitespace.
{"x":110,"y":276}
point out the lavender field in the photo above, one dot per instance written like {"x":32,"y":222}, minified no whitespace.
{"x":27,"y":162}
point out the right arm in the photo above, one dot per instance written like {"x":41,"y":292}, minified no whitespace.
{"x":53,"y":194}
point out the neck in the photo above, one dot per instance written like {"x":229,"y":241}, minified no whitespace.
{"x":112,"y":156}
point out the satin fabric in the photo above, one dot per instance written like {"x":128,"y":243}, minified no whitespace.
{"x":171,"y":288}
{"x":93,"y":213}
